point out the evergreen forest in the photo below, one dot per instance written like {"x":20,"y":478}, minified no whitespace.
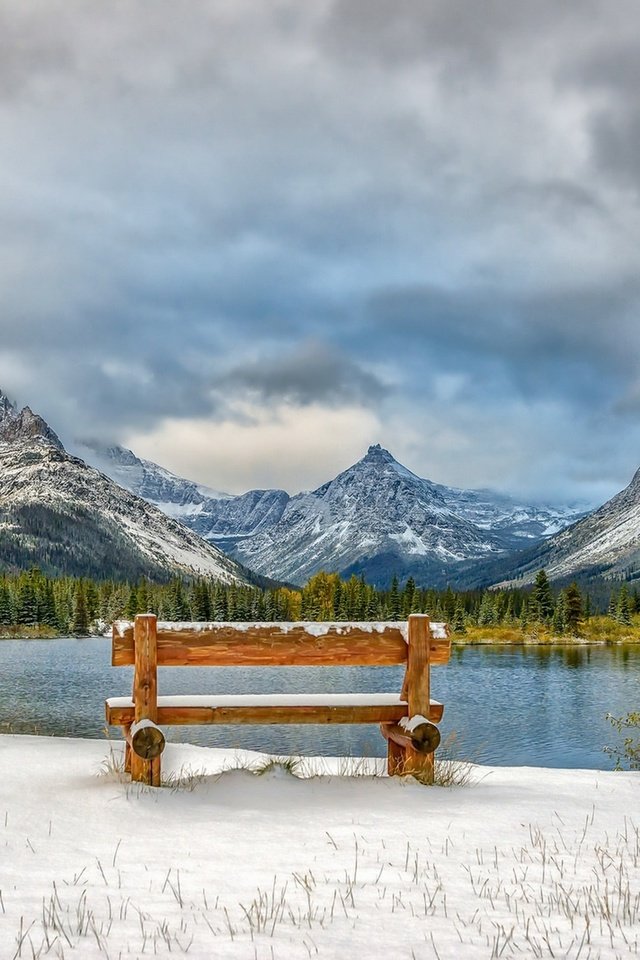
{"x":32,"y":604}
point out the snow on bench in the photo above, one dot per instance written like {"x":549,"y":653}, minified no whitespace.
{"x":272,"y":708}
{"x":148,"y":644}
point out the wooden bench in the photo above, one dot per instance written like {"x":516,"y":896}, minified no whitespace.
{"x":407,"y":719}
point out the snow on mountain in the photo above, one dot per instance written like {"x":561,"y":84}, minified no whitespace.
{"x":605,"y":542}
{"x":517,"y":523}
{"x":219,"y":517}
{"x":376,"y":518}
{"x":65,"y":516}
{"x":22,"y":424}
{"x":173,"y":495}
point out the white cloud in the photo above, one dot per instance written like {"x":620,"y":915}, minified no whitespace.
{"x":290,"y":447}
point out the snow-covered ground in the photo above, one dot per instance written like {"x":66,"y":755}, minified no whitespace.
{"x":519,"y":862}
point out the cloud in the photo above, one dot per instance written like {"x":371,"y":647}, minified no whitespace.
{"x":422,"y":211}
{"x":314,"y":372}
{"x":290,"y":447}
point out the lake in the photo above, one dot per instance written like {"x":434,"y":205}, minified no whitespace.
{"x":504,"y":705}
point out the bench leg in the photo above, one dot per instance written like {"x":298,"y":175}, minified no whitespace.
{"x":127,"y":748}
{"x":403,"y":761}
{"x":419,"y":764}
{"x":146,"y":771}
{"x":395,"y":759}
{"x":155,"y":771}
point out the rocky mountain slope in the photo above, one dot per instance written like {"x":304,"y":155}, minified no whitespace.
{"x":376,"y":518}
{"x":604,"y":543}
{"x":65,"y":516}
{"x":516,"y":523}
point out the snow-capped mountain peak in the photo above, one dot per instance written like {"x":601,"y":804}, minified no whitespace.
{"x":605,"y":542}
{"x":65,"y":516}
{"x":376,"y":517}
{"x":8,"y":409}
{"x":174,"y":495}
{"x":24,"y":424}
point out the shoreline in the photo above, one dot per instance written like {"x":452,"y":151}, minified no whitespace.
{"x":457,"y":640}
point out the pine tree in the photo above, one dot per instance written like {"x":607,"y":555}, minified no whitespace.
{"x":623,"y":606}
{"x":573,"y":607}
{"x":408,"y":595}
{"x":395,"y":607}
{"x":132,"y":603}
{"x":268,"y":608}
{"x":541,"y":598}
{"x":559,"y":620}
{"x":508,"y":615}
{"x":92,"y":600}
{"x":6,"y":613}
{"x":144,"y":604}
{"x":458,"y":623}
{"x":178,"y":603}
{"x":448,"y":604}
{"x":486,"y":613}
{"x":80,"y":624}
{"x":48,"y":612}
{"x":342,"y":609}
{"x":27,"y":605}
{"x":200,"y":604}
{"x":339,"y":603}
{"x":372,"y":610}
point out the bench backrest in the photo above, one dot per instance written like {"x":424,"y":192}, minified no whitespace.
{"x":284,"y":644}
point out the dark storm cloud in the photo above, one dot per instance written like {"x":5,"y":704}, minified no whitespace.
{"x":313,"y":373}
{"x":471,"y":36}
{"x":590,"y":336}
{"x":427,"y":210}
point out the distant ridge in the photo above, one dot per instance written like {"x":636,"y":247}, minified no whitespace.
{"x":604,"y":543}
{"x":66,"y":517}
{"x":376,"y":518}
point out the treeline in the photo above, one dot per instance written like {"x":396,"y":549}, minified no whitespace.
{"x":326,"y":597}
{"x":81,"y":605}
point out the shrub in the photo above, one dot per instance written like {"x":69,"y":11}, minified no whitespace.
{"x":629,"y":752}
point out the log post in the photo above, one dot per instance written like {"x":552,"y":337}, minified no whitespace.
{"x":127,"y":747}
{"x":145,"y":692}
{"x":417,"y":692}
{"x":395,"y":758}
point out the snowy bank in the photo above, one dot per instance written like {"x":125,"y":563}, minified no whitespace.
{"x":521,"y":862}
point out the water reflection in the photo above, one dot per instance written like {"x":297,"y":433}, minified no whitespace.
{"x":534,"y":705}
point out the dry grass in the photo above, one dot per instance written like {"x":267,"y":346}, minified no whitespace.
{"x":594,"y":630}
{"x":567,"y":893}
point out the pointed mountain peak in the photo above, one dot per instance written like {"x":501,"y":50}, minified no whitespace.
{"x":8,"y":409}
{"x":24,"y":425}
{"x":378,"y":454}
{"x":106,"y":453}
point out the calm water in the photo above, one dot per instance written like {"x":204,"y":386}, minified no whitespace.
{"x":536,"y":706}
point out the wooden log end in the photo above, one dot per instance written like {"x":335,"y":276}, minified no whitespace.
{"x":146,"y":740}
{"x":425,"y":736}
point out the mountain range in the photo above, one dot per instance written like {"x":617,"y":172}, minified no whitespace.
{"x":64,"y":516}
{"x":376,"y":518}
{"x":605,"y":543}
{"x":107,"y":512}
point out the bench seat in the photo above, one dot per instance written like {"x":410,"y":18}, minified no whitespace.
{"x":272,"y":708}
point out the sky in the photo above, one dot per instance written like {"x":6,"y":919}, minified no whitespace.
{"x":248,"y":239}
